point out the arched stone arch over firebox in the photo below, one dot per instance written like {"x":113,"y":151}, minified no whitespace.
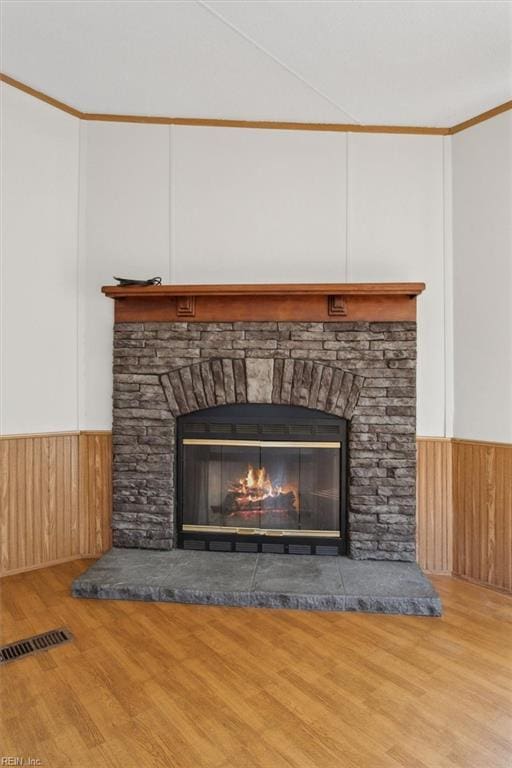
{"x":221,"y":381}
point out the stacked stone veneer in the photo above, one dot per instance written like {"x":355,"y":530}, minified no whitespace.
{"x":362,"y":371}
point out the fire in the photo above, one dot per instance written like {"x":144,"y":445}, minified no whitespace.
{"x":257,"y":490}
{"x":256,"y":485}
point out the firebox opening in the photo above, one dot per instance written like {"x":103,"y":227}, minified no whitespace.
{"x":265,"y":478}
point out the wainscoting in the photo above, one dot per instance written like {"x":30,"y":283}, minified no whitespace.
{"x":55,"y":498}
{"x":434,"y":500}
{"x":95,"y":491}
{"x":464,"y":496}
{"x":55,"y":504}
{"x":482,"y":512}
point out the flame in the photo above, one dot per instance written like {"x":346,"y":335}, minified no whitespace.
{"x":257,"y":486}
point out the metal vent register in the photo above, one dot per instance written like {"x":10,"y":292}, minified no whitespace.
{"x":35,"y":644}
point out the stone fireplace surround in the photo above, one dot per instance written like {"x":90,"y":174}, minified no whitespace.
{"x":348,"y":350}
{"x":362,"y":370}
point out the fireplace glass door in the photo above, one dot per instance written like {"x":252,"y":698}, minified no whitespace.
{"x":264,"y":487}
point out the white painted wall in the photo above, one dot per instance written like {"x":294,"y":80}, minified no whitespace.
{"x":258,"y":206}
{"x":268,"y":206}
{"x":395,"y":233}
{"x":125,"y":232}
{"x":482,"y":244}
{"x":202,"y":205}
{"x":39,"y":225}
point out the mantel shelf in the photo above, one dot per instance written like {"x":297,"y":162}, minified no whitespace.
{"x":264,"y":289}
{"x":259,"y":302}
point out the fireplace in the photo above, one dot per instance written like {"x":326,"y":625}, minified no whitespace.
{"x":258,"y":477}
{"x":266,"y":418}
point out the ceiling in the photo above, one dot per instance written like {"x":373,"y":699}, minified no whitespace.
{"x":401,"y":63}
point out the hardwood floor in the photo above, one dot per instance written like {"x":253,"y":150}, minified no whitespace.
{"x":147,"y":684}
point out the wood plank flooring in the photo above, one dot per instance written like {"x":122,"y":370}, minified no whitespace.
{"x":148,"y":684}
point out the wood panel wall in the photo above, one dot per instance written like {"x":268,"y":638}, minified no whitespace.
{"x":95,"y":491}
{"x":55,"y":498}
{"x":464,"y":497}
{"x":482,"y":512}
{"x":434,"y":504}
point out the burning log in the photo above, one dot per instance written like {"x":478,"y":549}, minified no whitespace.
{"x":256,"y":493}
{"x":284,"y":502}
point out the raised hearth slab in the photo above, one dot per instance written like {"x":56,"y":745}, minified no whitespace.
{"x":260,"y":580}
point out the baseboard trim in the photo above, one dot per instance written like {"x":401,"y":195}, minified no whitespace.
{"x":48,"y":564}
{"x":437,"y":573}
{"x":483,"y":584}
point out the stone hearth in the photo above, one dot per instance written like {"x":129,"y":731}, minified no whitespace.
{"x":363,"y":371}
{"x":270,"y":581}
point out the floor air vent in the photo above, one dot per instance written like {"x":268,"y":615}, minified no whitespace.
{"x":34,"y":644}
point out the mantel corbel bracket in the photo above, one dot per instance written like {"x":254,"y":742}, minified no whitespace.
{"x":186,"y":306}
{"x":336,"y":305}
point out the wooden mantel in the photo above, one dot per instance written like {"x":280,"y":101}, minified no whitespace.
{"x":314,"y":302}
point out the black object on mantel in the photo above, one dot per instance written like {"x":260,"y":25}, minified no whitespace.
{"x":128,"y":281}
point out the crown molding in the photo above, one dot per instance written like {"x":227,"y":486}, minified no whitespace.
{"x":494,"y":112}
{"x":40,"y":96}
{"x":267,"y":124}
{"x":262,"y":124}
